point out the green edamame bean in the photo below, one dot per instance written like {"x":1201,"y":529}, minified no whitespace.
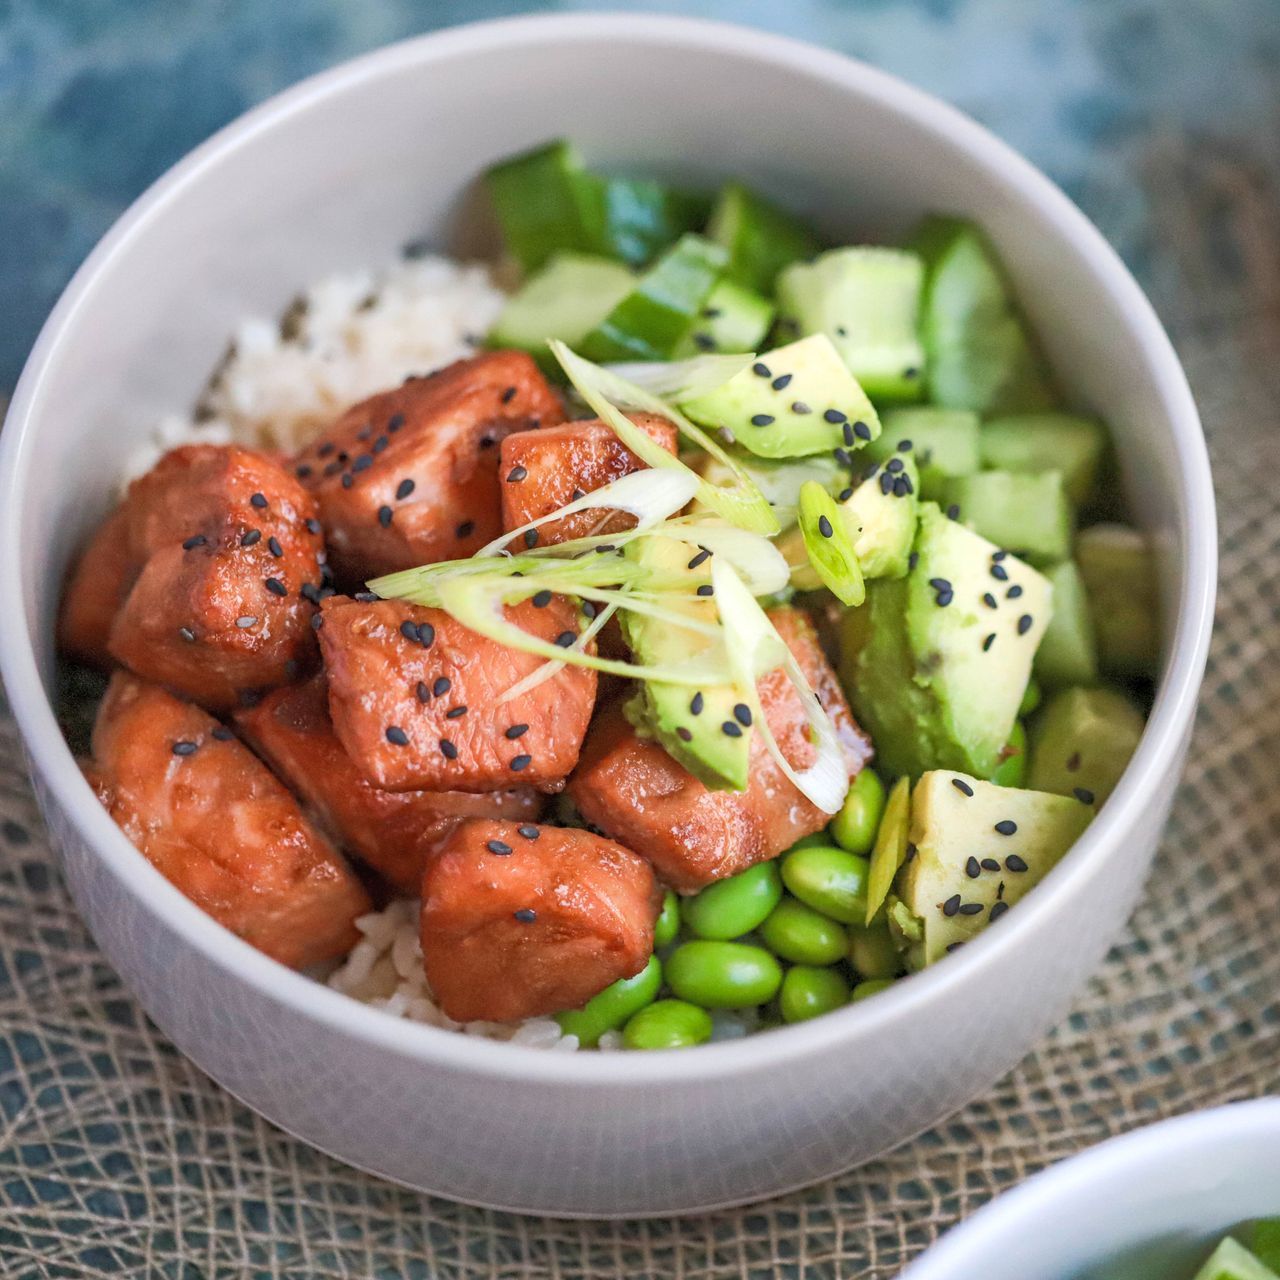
{"x":610,"y":1008}
{"x":723,"y":975}
{"x":810,"y":842}
{"x":1012,"y":770}
{"x":667,"y":924}
{"x":872,"y":953}
{"x":1030,"y":698}
{"x":872,"y":987}
{"x":854,"y":827}
{"x":667,"y":1024}
{"x":829,"y":880}
{"x":808,"y":992}
{"x":802,"y":935}
{"x":729,"y":908}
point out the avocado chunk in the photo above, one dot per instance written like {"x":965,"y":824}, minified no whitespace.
{"x":1048,"y":442}
{"x":793,"y":401}
{"x":979,"y":849}
{"x":866,"y":299}
{"x":690,"y":723}
{"x":732,"y":319}
{"x":1081,"y":742}
{"x":1119,"y":576}
{"x":566,"y":299}
{"x":1068,"y":654}
{"x":1232,"y":1261}
{"x":981,"y":354}
{"x":760,"y":238}
{"x":935,"y":664}
{"x":1028,"y":513}
{"x":945,"y":443}
{"x":881,"y":516}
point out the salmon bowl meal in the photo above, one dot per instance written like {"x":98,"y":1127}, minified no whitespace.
{"x":677,"y":628}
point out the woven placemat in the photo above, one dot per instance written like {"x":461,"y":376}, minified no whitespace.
{"x":117,"y":1157}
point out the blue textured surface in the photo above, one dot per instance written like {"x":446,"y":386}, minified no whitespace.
{"x":99,"y":97}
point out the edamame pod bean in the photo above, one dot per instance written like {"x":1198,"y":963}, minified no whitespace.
{"x":872,"y":987}
{"x":667,"y":924}
{"x":872,"y":953}
{"x":829,"y":880}
{"x":810,"y":842}
{"x":667,"y":1024}
{"x":854,"y":827}
{"x":808,"y":992}
{"x":610,"y":1008}
{"x":723,"y":975}
{"x":802,"y":935}
{"x":1012,"y":770}
{"x":1030,"y":698}
{"x":729,"y":908}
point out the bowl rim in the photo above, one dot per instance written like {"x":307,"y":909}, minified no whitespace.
{"x":1158,"y":751}
{"x":1126,"y":1157}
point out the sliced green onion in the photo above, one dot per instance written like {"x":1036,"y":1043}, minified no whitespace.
{"x":827,"y":542}
{"x":548,"y":669}
{"x":754,"y":647}
{"x":741,"y":504}
{"x":682,"y":379}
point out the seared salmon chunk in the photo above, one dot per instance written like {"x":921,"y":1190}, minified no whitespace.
{"x":520,"y":920}
{"x":631,"y":788}
{"x":214,"y":822}
{"x":544,"y":470}
{"x":393,"y":832}
{"x":96,"y":588}
{"x":410,"y":476}
{"x":414,"y":697}
{"x":225,"y":554}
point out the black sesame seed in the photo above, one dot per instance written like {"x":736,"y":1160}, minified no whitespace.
{"x":894,"y":465}
{"x":456,"y":713}
{"x":999,"y":573}
{"x":841,"y":331}
{"x":409,"y":630}
{"x":781,"y":382}
{"x":196,"y":540}
{"x":701,"y":558}
{"x":273,"y":545}
{"x":951,"y":906}
{"x":366,"y":597}
{"x":847,"y":432}
{"x":500,"y":847}
{"x":442,"y":686}
{"x":246,"y":620}
{"x":313,"y":525}
{"x":834,"y":415}
{"x":317,"y":621}
{"x":384,"y":515}
{"x":541,"y":599}
{"x":222,"y":733}
{"x":824,"y":527}
{"x":962,"y":786}
{"x":531,"y":538}
{"x":310,"y":592}
{"x":526,"y":915}
{"x":1013,"y":593}
{"x":426,"y":634}
{"x":517,"y":731}
{"x":870,"y":471}
{"x":861,"y":430}
{"x":704,"y":341}
{"x":1024,"y":624}
{"x":529,"y":831}
{"x":913,"y":559}
{"x":988,"y":641}
{"x":742,"y":714}
{"x":990,"y":864}
{"x":348,"y":480}
{"x":1083,"y":794}
{"x":588,"y":608}
{"x":448,"y":750}
{"x":566,"y":638}
{"x":997,"y":556}
{"x":799,"y":406}
{"x":251,"y":538}
{"x":731,"y":728}
{"x":901,"y":486}
{"x":997,"y":910}
{"x":362,"y":463}
{"x":989,"y":600}
{"x":487,"y":442}
{"x":761,"y":370}
{"x":1006,"y":827}
{"x":1014,"y":863}
{"x":397,"y":735}
{"x":696,"y":704}
{"x":844,"y":495}
{"x":971,"y":909}
{"x":516,"y":474}
{"x":404,"y":489}
{"x":761,"y":419}
{"x":953,"y":512}
{"x":364,"y":433}
{"x":258,"y":500}
{"x":187,"y":634}
{"x":904,"y":446}
{"x":972,"y":869}
{"x":326,"y":449}
{"x":185,"y":747}
{"x":395,"y":422}
{"x":940,"y":584}
{"x":683,"y":734}
{"x":508,"y":395}
{"x":465,"y":529}
{"x":520,"y":762}
{"x":886,"y":483}
{"x":423,"y":691}
{"x":706,"y":589}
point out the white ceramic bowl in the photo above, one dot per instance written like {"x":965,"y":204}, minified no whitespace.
{"x":1155,"y":1200}
{"x":338,"y":173}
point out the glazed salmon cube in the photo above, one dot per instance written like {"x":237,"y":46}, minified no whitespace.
{"x":631,"y":788}
{"x":543,"y":470}
{"x":226,"y":553}
{"x":393,"y":832}
{"x":95,"y":590}
{"x":214,"y":822}
{"x":414,"y":697}
{"x":520,"y":920}
{"x":410,"y":476}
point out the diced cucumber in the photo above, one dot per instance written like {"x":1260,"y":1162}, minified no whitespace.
{"x":635,"y":219}
{"x":1025,"y":513}
{"x":566,"y":299}
{"x":866,"y":299}
{"x":944,"y":441}
{"x":1048,"y":442}
{"x":1081,"y":742}
{"x":653,"y":317}
{"x":980,"y":352}
{"x":881,"y":517}
{"x":537,"y":199}
{"x":760,"y":238}
{"x":1068,"y":654}
{"x":733,"y":319}
{"x":1119,"y":576}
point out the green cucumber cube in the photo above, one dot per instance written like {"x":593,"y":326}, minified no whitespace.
{"x":944,"y":441}
{"x":1027,"y":513}
{"x":1081,"y":742}
{"x":1068,"y":654}
{"x":536,"y":197}
{"x":1119,"y":576}
{"x":760,"y":238}
{"x":1048,"y":442}
{"x":635,"y":219}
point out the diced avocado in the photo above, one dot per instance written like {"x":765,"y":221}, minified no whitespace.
{"x":1232,"y":1261}
{"x":979,"y":849}
{"x":780,"y":481}
{"x":1048,"y":442}
{"x":1068,"y":654}
{"x":1082,"y":740}
{"x":881,"y":516}
{"x":732,"y":319}
{"x":688,"y":722}
{"x":566,"y":299}
{"x":980,"y":352}
{"x":1028,"y":513}
{"x":945,"y":443}
{"x":1119,"y":576}
{"x":760,"y":237}
{"x":635,"y":219}
{"x":890,"y":852}
{"x":794,"y":401}
{"x":866,"y":299}
{"x":654,"y":316}
{"x":935,"y":664}
{"x":536,"y":197}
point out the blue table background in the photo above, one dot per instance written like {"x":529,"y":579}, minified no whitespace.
{"x":1162,"y":119}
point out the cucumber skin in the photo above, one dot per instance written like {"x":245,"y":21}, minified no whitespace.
{"x":760,"y":238}
{"x":635,"y":219}
{"x":536,"y":199}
